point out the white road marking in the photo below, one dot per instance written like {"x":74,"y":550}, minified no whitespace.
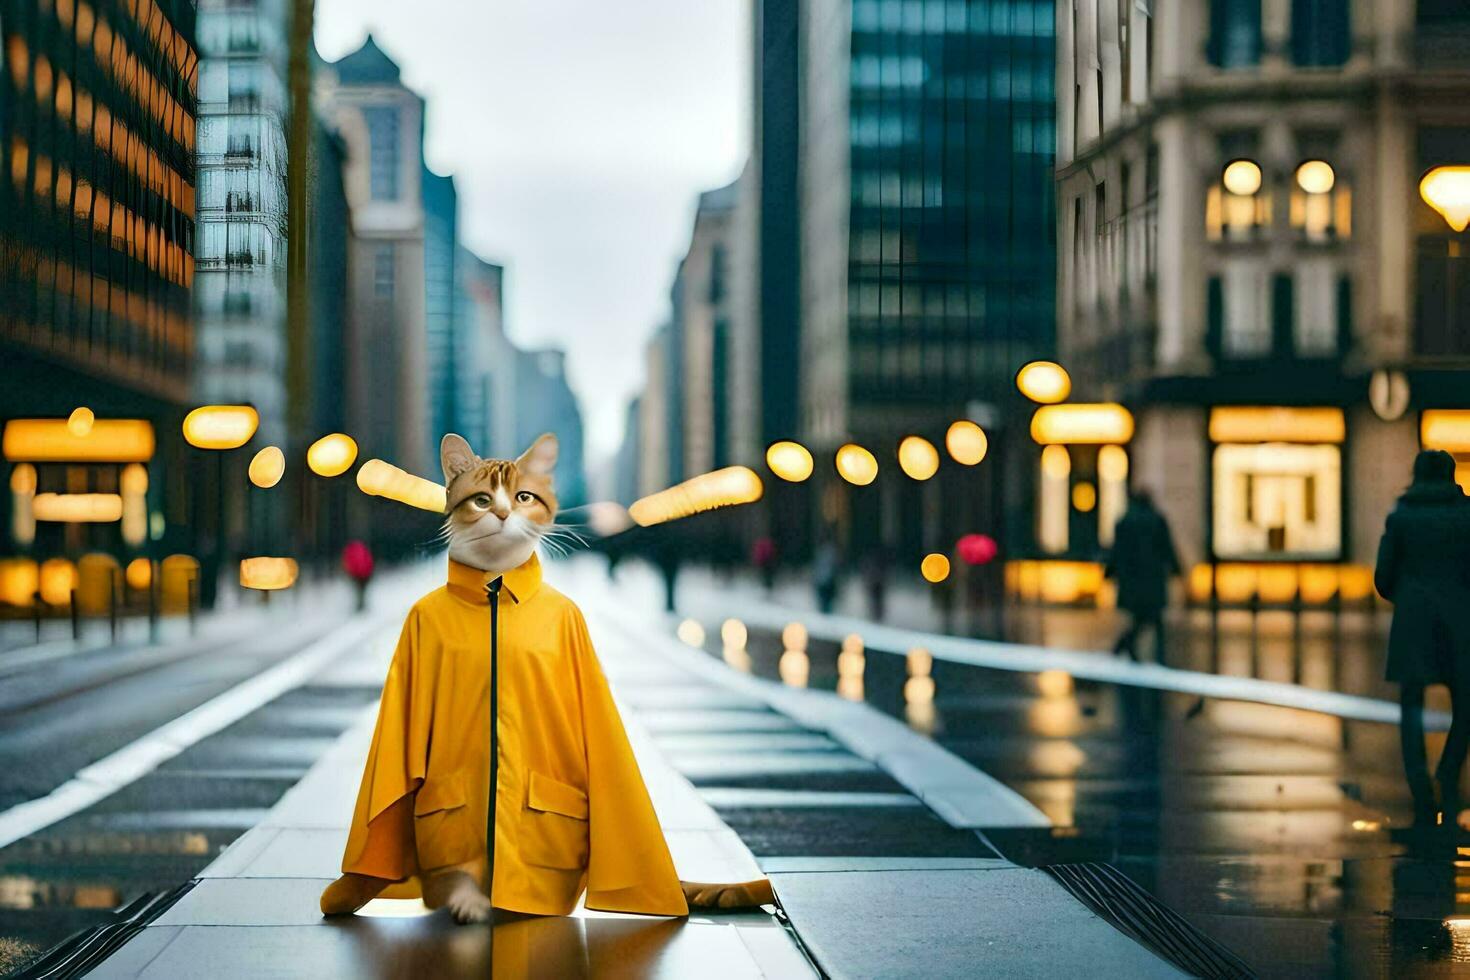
{"x":111,"y":773}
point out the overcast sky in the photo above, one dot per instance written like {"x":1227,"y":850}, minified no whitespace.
{"x":579,"y":133}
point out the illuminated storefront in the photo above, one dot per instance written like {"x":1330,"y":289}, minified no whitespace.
{"x":1276,"y":485}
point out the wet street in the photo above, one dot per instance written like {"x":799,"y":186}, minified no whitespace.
{"x":61,"y":712}
{"x":1271,"y":829}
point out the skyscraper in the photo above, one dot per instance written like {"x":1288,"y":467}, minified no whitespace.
{"x":381,"y":122}
{"x":97,"y":200}
{"x":442,"y":393}
{"x":702,"y":318}
{"x":240,"y":293}
{"x":926,"y":210}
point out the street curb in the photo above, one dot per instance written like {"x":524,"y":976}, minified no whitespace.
{"x":960,"y":794}
{"x":1098,"y":666}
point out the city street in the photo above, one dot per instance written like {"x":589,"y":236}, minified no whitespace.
{"x":1270,"y":830}
{"x":763,"y":488}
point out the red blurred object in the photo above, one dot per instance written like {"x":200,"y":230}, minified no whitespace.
{"x":977,"y":549}
{"x":763,"y":552}
{"x":357,"y":561}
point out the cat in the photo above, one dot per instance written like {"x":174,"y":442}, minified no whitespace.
{"x":497,"y":513}
{"x":499,"y":510}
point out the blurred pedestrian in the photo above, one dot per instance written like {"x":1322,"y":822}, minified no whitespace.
{"x":357,"y":562}
{"x":1142,"y":561}
{"x":825,"y":573}
{"x":1424,"y":570}
{"x":875,"y":581}
{"x":763,"y":556}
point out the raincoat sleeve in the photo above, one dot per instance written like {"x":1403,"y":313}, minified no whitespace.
{"x":381,"y":842}
{"x":628,"y":868}
{"x":1386,"y":572}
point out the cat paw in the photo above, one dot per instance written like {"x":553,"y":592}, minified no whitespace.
{"x":470,"y":907}
{"x":741,"y":895}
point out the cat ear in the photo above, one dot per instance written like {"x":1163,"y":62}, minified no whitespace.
{"x":540,"y":459}
{"x":455,"y":456}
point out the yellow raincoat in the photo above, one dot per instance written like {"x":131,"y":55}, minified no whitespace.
{"x":571,"y":808}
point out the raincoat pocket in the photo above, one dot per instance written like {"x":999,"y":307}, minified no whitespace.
{"x":554,"y":824}
{"x":442,"y":827}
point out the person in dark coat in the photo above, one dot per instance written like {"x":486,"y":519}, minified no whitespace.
{"x":1424,"y":570}
{"x":1142,"y":561}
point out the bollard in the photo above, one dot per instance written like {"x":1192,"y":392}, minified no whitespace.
{"x":153,"y":584}
{"x":1296,"y":634}
{"x":36,"y":602}
{"x":76,"y":619}
{"x":112,"y":585}
{"x":194,"y":604}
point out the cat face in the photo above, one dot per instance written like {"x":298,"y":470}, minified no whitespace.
{"x":498,"y":509}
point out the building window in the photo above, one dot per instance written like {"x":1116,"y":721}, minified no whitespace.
{"x":1237,"y":207}
{"x":1319,"y":32}
{"x":1235,"y":33}
{"x":383,"y":262}
{"x":1246,"y":313}
{"x":1317,"y":317}
{"x":1321,"y":204}
{"x":382,"y":122}
{"x":1277,"y":500}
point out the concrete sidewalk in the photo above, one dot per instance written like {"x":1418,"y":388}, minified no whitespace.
{"x":825,"y":796}
{"x":253,"y":912}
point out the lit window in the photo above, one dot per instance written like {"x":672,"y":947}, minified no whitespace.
{"x":1277,"y":500}
{"x":1238,"y":205}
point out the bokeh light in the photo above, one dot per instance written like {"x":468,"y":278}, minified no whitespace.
{"x":79,"y":423}
{"x":267,"y":467}
{"x":918,"y":458}
{"x":220,"y":426}
{"x":934,"y":567}
{"x":1315,"y":177}
{"x":1045,"y":382}
{"x":1447,"y":190}
{"x":789,"y":460}
{"x":1242,"y":177}
{"x":267,"y":574}
{"x":332,"y":455}
{"x":966,"y":442}
{"x":377,"y":478}
{"x":856,"y":465}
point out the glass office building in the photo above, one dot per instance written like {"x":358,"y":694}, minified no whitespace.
{"x":927,"y":218}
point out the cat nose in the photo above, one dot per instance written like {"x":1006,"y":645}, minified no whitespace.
{"x":499,"y":510}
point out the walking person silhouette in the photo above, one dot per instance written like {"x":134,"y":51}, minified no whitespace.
{"x":1424,"y":570}
{"x":1142,"y":561}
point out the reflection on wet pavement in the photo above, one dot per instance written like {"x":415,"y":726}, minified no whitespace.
{"x":158,"y":832}
{"x":1272,"y":829}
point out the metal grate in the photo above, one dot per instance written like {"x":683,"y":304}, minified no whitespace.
{"x":80,"y":953}
{"x":1115,"y":898}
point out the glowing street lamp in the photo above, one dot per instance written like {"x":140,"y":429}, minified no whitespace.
{"x":918,"y":458}
{"x":934,"y":568}
{"x":377,"y":478}
{"x":966,"y":442}
{"x":220,"y":426}
{"x":332,"y":455}
{"x":1242,"y":177}
{"x":1044,"y":382}
{"x":267,"y":574}
{"x":79,"y":423}
{"x":1447,"y":190}
{"x":267,"y":468}
{"x":1315,"y":177}
{"x":856,"y":465}
{"x":789,"y":460}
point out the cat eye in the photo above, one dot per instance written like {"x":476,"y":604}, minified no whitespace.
{"x":526,"y":497}
{"x":480,"y":501}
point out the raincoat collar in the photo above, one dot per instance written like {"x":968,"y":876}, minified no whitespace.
{"x":519,"y":583}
